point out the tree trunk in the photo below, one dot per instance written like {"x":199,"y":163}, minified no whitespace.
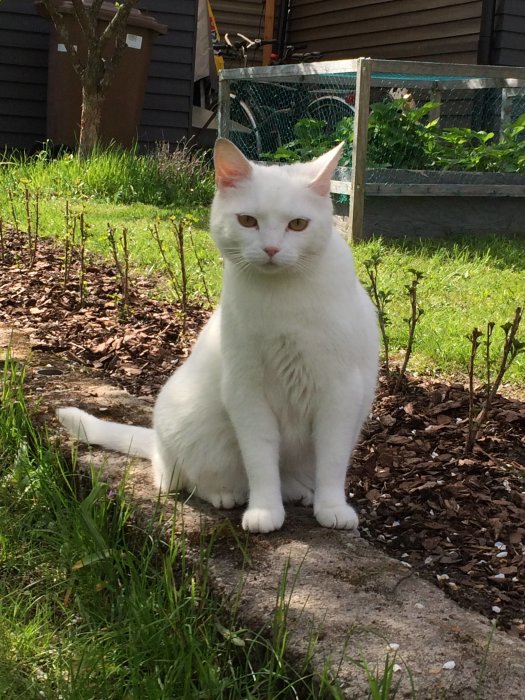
{"x":92,"y":101}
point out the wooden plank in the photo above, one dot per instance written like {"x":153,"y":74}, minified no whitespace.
{"x":411,"y":23}
{"x":359,"y":149}
{"x":23,"y":108}
{"x":223,"y":116}
{"x":437,"y":190}
{"x":434,"y":190}
{"x":355,"y":39}
{"x":167,"y":86}
{"x":384,"y":9}
{"x":269,"y":24}
{"x":25,"y":74}
{"x":375,"y":7}
{"x":33,"y":40}
{"x":166,"y":103}
{"x":378,"y":66}
{"x":29,"y":92}
{"x":26,"y":124}
{"x":22,"y":57}
{"x":452,"y":69}
{"x":173,"y":54}
{"x":417,"y":216}
{"x":510,"y":57}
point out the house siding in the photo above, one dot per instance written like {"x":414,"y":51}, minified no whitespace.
{"x":436,"y":30}
{"x":166,"y":114}
{"x":24,"y":42}
{"x":508,"y":43}
{"x":24,"y":45}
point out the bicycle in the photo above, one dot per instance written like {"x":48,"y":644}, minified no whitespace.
{"x":263,"y":114}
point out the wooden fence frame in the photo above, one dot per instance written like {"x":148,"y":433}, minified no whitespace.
{"x":367,"y":72}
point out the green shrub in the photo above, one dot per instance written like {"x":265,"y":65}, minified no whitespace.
{"x":400,"y":137}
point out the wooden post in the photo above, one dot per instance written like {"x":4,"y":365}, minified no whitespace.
{"x":269,"y":23}
{"x":506,"y":110}
{"x":435,"y":96}
{"x":359,"y":147}
{"x":223,"y":115}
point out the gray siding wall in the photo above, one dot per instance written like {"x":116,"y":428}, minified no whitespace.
{"x":433,"y":30}
{"x":508,"y":44}
{"x":166,"y":115}
{"x":24,"y":42}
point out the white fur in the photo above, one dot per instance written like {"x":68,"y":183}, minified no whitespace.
{"x":270,"y":403}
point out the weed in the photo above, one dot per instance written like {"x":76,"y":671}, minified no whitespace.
{"x":381,"y":299}
{"x":3,"y":254}
{"x":415,"y":314}
{"x":380,"y":682}
{"x":512,"y":347}
{"x":121,"y":260}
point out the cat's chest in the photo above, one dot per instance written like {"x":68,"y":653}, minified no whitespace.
{"x":288,"y":372}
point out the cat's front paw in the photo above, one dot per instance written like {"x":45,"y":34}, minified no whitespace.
{"x":263,"y":519}
{"x":342,"y":517}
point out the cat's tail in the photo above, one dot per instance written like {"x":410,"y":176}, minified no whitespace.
{"x":128,"y":439}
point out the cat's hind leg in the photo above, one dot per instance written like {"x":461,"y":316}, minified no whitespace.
{"x":295,"y":491}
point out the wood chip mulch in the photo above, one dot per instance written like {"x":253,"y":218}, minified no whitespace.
{"x":455,"y":518}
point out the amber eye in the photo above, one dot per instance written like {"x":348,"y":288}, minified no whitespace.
{"x":247,"y":221}
{"x":298,"y":224}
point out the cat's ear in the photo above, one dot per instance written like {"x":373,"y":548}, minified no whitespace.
{"x":324,"y":167}
{"x":231,"y":167}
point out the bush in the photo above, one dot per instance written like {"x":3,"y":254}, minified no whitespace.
{"x":401,"y":137}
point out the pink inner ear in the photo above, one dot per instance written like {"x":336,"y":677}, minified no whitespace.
{"x":321,"y":184}
{"x":229,"y":176}
{"x":231,"y":167}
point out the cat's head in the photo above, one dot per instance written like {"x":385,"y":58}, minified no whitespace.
{"x":271,"y":218}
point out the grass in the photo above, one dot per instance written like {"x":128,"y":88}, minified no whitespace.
{"x":467,"y":282}
{"x":93,"y":606}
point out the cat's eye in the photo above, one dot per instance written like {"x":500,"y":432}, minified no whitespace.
{"x":298,"y":224}
{"x":247,"y":221}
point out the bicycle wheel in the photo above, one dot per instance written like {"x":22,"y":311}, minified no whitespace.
{"x":329,"y":109}
{"x":244,"y":131}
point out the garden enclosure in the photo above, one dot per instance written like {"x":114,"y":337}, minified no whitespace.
{"x":431,"y":148}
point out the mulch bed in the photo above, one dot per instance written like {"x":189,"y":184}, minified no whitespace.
{"x":455,"y":518}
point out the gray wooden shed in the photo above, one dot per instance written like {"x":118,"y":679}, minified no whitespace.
{"x":24,"y":43}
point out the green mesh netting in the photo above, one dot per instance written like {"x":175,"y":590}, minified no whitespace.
{"x":445,"y":124}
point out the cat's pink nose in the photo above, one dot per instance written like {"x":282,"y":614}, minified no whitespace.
{"x":271,"y":251}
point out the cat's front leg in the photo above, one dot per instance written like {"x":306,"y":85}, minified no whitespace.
{"x":258,"y":436}
{"x":336,"y":430}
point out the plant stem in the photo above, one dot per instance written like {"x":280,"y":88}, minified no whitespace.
{"x":472,"y":429}
{"x":415,"y":314}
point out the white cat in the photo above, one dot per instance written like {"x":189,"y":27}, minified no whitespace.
{"x":271,"y":401}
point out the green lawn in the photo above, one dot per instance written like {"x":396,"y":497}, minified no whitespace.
{"x":467,"y":282}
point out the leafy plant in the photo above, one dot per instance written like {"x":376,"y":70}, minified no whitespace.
{"x":310,"y":140}
{"x":404,"y":137}
{"x":398,"y":137}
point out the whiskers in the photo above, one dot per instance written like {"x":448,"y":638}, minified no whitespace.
{"x":300,"y":265}
{"x":238,"y":259}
